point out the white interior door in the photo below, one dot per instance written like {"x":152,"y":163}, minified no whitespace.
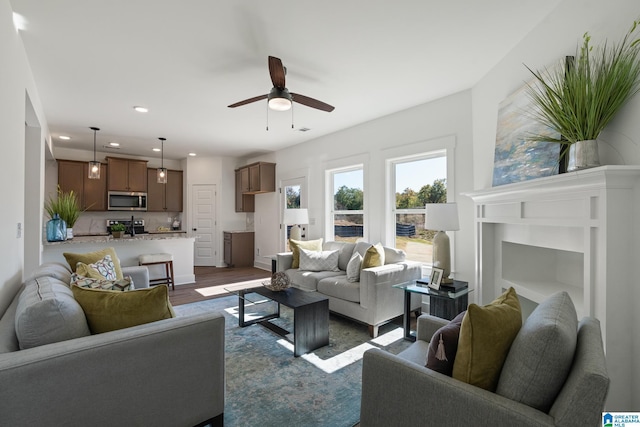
{"x":204,"y":224}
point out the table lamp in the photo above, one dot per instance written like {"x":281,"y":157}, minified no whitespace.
{"x":442,"y":217}
{"x":295,"y":217}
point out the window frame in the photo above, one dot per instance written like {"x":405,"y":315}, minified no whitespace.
{"x":329,"y":199}
{"x":413,"y":152}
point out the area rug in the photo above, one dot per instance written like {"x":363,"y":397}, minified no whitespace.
{"x":267,"y":386}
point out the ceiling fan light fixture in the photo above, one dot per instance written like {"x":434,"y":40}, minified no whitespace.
{"x":279,"y":99}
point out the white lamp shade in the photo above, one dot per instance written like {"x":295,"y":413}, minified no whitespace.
{"x":295,"y":216}
{"x":442,"y":217}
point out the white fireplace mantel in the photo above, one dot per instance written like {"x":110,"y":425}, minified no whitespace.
{"x":576,"y":232}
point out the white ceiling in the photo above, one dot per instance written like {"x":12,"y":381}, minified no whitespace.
{"x":93,"y":60}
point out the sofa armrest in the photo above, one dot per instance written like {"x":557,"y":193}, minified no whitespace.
{"x":284,"y":261}
{"x":398,"y":392}
{"x":139,"y":274}
{"x":376,"y":283}
{"x":428,"y":325}
{"x":122,"y":377}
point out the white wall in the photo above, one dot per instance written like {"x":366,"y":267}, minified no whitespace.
{"x":557,"y":36}
{"x":410,"y":132}
{"x":16,"y":83}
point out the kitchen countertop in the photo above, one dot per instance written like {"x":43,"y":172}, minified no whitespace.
{"x":103,"y":238}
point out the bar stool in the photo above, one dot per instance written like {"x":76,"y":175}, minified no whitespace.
{"x":157,"y":259}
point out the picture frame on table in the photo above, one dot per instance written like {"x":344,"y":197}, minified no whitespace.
{"x":436,"y":278}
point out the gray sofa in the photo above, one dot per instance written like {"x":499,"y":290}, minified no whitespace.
{"x":372,"y":300}
{"x":400,"y":390}
{"x":165,"y":373}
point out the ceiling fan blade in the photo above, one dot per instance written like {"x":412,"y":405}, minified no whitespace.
{"x":248,"y":101}
{"x":310,"y":102}
{"x":276,"y":71}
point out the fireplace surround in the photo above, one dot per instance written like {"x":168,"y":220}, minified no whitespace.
{"x":577,"y":232}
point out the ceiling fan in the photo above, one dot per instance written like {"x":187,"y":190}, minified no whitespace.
{"x":280,"y":98}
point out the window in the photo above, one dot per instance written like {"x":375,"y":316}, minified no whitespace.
{"x":346,"y":216}
{"x":417,"y":180}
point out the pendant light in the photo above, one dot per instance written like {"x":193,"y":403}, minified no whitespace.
{"x":162,"y":171}
{"x":94,"y":166}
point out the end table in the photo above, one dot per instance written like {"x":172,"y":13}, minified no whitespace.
{"x":442,"y":303}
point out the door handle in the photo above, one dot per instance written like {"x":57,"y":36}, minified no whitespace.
{"x":194,"y":229}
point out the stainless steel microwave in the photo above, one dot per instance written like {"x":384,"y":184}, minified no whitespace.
{"x":127,"y":201}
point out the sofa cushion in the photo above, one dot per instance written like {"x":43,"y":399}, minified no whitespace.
{"x":295,"y":245}
{"x":48,"y":313}
{"x":374,"y":257}
{"x":542,"y":354}
{"x":101,"y":269}
{"x":353,"y":268}
{"x":361,"y":248}
{"x":443,"y":346}
{"x":57,"y":270}
{"x":393,"y":255}
{"x":319,"y":260}
{"x":90,"y":257}
{"x":486,"y":335}
{"x":339,"y":287}
{"x":346,"y":251}
{"x":111,"y":310}
{"x":308,"y":280}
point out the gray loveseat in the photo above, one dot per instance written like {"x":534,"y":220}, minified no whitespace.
{"x":165,"y":373}
{"x":372,"y":300}
{"x":540,"y":383}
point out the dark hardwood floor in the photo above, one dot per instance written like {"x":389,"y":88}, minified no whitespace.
{"x":210,"y":283}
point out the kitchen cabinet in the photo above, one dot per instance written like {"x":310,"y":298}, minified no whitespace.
{"x":238,"y":248}
{"x":244,"y":202}
{"x":126,"y":174}
{"x":164,"y":197}
{"x":262,"y":178}
{"x":92,"y":193}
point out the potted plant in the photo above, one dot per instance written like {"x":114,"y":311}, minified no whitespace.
{"x":67,"y":207}
{"x":117,"y":230}
{"x":579,"y":99}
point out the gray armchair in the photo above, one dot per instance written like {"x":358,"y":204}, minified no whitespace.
{"x":400,"y":390}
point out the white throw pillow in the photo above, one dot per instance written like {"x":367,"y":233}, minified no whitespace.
{"x":353,"y":268}
{"x":319,"y":260}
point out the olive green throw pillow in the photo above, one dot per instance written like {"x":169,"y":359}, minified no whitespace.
{"x":108,"y":310}
{"x":91,"y":257}
{"x":374,"y":257}
{"x":486,"y":335}
{"x":296,"y":245}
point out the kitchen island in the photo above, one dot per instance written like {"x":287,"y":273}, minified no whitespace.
{"x":129,"y":248}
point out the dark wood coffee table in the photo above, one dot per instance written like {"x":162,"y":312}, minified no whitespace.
{"x":310,"y":316}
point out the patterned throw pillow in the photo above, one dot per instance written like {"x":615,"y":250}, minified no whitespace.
{"x":296,"y":245}
{"x":125,"y":284}
{"x":101,"y":269}
{"x":353,"y":268}
{"x":319,"y":261}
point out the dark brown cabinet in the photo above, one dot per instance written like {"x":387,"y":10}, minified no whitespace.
{"x":252,"y":179}
{"x":164,"y":197}
{"x":244,"y":202}
{"x":126,"y":174}
{"x":238,"y":248}
{"x":262,"y":177}
{"x":92,"y":193}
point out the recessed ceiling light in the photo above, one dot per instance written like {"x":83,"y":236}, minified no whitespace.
{"x":114,"y":144}
{"x":65,"y":137}
{"x":304,"y":129}
{"x":141,"y":109}
{"x":192,"y":154}
{"x":156,"y":149}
